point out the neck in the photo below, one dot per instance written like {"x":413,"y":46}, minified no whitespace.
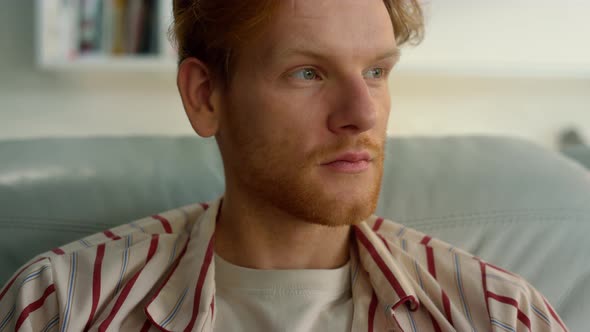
{"x":254,"y":235}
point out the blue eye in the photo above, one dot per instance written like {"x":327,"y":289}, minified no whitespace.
{"x":374,"y":73}
{"x":307,"y":74}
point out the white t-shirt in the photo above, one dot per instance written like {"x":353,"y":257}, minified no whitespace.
{"x":282,"y":300}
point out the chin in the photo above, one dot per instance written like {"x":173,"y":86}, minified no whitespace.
{"x":335,"y":201}
{"x":349,"y":204}
{"x":344,"y":208}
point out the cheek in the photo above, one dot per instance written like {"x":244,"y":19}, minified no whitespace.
{"x":260,"y":123}
{"x":294,"y":117}
{"x":383,"y":102}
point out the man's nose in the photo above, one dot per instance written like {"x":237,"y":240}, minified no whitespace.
{"x":354,"y":109}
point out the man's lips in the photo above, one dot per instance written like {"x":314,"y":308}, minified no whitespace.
{"x":349,"y":162}
{"x":351,"y":157}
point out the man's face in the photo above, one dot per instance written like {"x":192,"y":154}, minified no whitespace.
{"x":303,"y":124}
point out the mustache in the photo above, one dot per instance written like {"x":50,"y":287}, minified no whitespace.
{"x":374,"y":146}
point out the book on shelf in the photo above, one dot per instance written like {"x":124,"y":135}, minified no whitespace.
{"x":58,"y":28}
{"x":74,"y":28}
{"x":166,"y":19}
{"x":90,"y":25}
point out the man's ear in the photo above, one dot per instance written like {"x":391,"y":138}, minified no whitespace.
{"x":195,"y":84}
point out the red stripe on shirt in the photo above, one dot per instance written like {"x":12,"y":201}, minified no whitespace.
{"x":180,"y":256}
{"x":435,"y":325}
{"x":111,"y":235}
{"x":372,"y":310}
{"x":430,"y":261}
{"x":378,"y":224}
{"x":447,"y":306}
{"x":146,"y":326}
{"x":96,"y":281}
{"x":510,"y":301}
{"x":503,"y":299}
{"x":484,"y":281}
{"x":165,"y":223}
{"x":502,"y":270}
{"x":426,"y":240}
{"x":384,"y":242}
{"x":58,"y":251}
{"x":522,"y":317}
{"x":381,"y":264}
{"x":554,"y":315}
{"x":429,"y":256}
{"x":33,"y":306}
{"x":7,"y":287}
{"x":127,"y":289}
{"x":200,"y":283}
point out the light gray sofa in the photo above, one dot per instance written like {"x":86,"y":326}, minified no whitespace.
{"x":508,"y":201}
{"x":579,"y":153}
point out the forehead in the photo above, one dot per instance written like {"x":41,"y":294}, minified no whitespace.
{"x":346,"y":28}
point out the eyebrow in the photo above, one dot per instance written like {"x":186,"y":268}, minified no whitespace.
{"x":394,"y":53}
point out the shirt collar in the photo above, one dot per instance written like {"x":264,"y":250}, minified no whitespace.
{"x":185,"y":300}
{"x":378,"y":257}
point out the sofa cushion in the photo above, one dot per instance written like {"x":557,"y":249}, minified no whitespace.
{"x":506,"y":200}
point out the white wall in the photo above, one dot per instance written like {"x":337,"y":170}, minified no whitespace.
{"x":506,"y":37}
{"x":455,"y":101}
{"x":514,"y":67}
{"x":531,"y":109}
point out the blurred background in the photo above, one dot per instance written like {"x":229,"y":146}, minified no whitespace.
{"x":506,"y":67}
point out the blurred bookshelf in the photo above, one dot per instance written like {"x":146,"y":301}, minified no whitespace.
{"x":132,"y":35}
{"x":104,"y":35}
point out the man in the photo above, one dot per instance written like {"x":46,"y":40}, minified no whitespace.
{"x":296,"y":94}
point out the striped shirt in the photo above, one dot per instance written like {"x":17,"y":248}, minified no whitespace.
{"x":157,"y":274}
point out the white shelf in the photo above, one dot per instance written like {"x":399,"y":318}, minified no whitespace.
{"x":57,"y":42}
{"x":112,"y":63}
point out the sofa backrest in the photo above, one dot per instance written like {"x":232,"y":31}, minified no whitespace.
{"x":506,"y":200}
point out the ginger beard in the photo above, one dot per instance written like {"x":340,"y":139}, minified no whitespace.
{"x":278,"y":173}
